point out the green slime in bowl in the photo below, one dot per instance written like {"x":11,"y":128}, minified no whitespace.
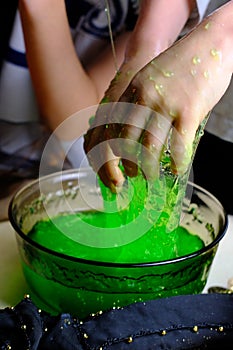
{"x":141,"y":225}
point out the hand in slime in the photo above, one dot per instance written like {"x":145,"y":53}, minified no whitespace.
{"x":179,"y":88}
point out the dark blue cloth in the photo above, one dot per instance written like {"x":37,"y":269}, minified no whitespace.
{"x":203,"y":321}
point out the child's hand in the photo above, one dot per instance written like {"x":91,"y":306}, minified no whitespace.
{"x":177,"y":89}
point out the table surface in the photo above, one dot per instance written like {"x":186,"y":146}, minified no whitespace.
{"x":13,"y":286}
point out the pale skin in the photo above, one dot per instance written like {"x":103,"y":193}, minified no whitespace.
{"x":181,"y":85}
{"x":62,"y":86}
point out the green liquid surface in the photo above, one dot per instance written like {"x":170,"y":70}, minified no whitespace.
{"x":140,"y":224}
{"x":155,"y":245}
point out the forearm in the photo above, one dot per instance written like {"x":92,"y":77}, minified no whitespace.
{"x":207,"y":56}
{"x":159,"y":25}
{"x":61,"y":85}
{"x":220,"y":32}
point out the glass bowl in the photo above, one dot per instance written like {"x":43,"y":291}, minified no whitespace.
{"x":59,"y":281}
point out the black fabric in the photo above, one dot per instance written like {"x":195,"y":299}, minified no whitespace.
{"x":203,"y":321}
{"x":212,"y":168}
{"x":7,"y":14}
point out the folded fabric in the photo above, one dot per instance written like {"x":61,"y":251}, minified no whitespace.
{"x":203,"y":321}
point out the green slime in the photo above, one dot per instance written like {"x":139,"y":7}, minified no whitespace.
{"x":141,"y":224}
{"x":144,"y":230}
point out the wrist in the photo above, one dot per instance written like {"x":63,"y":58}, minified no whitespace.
{"x":219,"y":28}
